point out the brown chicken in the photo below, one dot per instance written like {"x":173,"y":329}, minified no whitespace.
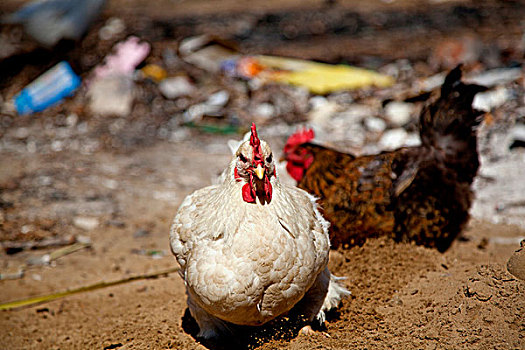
{"x":421,"y":194}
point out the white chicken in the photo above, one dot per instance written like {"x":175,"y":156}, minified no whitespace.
{"x":251,"y":248}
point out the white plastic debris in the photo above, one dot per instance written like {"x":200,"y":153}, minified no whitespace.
{"x":518,"y":132}
{"x":412,"y":140}
{"x":495,"y":77}
{"x":176,"y":87}
{"x":489,"y":100}
{"x":393,"y":139}
{"x":111,"y":95}
{"x":430,"y":83}
{"x":126,"y":56}
{"x":399,"y":113}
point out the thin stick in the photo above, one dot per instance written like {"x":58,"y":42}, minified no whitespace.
{"x":45,"y":298}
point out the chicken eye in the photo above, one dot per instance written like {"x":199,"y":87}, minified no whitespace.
{"x":269,"y":158}
{"x":242,"y":158}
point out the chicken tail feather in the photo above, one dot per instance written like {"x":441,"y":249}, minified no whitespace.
{"x":448,"y":126}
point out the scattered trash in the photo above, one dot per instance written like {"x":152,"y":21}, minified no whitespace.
{"x":375,"y":124}
{"x":154,"y":72}
{"x":113,"y":27}
{"x":50,"y":21}
{"x":153,"y":253}
{"x":46,"y":259}
{"x":12,"y":247}
{"x":393,"y":139}
{"x":264,"y":110}
{"x":218,"y":99}
{"x":12,"y":275}
{"x":211,"y":107}
{"x":318,"y":78}
{"x":430,"y":83}
{"x":176,"y":87}
{"x":495,"y":77}
{"x":111,"y":95}
{"x":518,"y":136}
{"x":50,"y":88}
{"x":86,"y":223}
{"x":322,"y":110}
{"x":126,"y":57}
{"x":205,"y":52}
{"x":398,"y":113}
{"x":489,"y":100}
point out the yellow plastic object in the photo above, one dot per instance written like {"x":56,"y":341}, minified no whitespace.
{"x":320,"y":78}
{"x":155,"y":72}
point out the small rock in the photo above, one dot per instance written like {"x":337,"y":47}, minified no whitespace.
{"x":111,"y":28}
{"x":83,"y":240}
{"x":141,"y":233}
{"x":86,"y":223}
{"x":21,"y":133}
{"x":175,"y":87}
{"x":218,"y":99}
{"x":516,"y":263}
{"x":72,"y":120}
{"x":398,"y":113}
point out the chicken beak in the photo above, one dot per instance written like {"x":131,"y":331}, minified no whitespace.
{"x":259,"y":171}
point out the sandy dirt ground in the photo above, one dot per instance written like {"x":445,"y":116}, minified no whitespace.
{"x":123,"y":199}
{"x":403,"y":296}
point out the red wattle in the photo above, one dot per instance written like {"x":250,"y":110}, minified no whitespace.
{"x":267,"y":188}
{"x":296,"y":172}
{"x":248,"y":193}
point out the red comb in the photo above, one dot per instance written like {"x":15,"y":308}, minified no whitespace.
{"x":255,"y":142}
{"x":298,"y":138}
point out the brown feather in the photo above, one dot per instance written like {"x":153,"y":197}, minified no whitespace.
{"x":419,"y":194}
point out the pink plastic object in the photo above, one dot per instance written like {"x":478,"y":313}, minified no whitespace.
{"x":126,"y":57}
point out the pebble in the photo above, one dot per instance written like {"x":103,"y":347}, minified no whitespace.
{"x":111,"y":28}
{"x":516,"y":263}
{"x":85,"y":222}
{"x":219,"y":98}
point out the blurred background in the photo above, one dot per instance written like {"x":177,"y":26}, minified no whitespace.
{"x":112,"y":111}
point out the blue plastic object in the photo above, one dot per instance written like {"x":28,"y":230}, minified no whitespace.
{"x":48,"y":89}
